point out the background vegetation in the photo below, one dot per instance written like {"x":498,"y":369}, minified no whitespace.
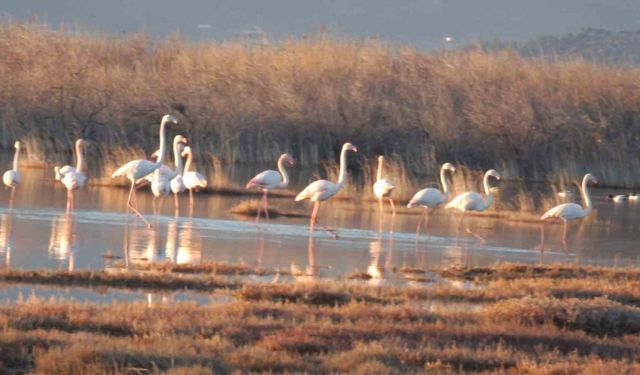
{"x":243,"y":102}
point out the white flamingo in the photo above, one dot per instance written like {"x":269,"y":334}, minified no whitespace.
{"x":383,"y":187}
{"x":569,"y":211}
{"x":192,"y":179}
{"x":137,"y":169}
{"x":161,"y":177}
{"x":321,"y":190}
{"x":432,"y":197}
{"x":472,"y":201}
{"x":73,"y":178}
{"x":177,"y":183}
{"x":269,"y":180}
{"x":11,"y":178}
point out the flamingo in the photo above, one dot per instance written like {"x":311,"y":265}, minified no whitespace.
{"x":383,"y":187}
{"x":161,"y":177}
{"x":617,"y":198}
{"x":472,"y":201}
{"x":192,"y":179}
{"x":177,"y":183}
{"x":321,"y":190}
{"x":137,"y":169}
{"x":568,"y":211}
{"x":11,"y":178}
{"x":269,"y":180}
{"x":431,"y":197}
{"x":634,"y":197}
{"x":73,"y":178}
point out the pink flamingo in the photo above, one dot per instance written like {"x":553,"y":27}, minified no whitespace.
{"x":11,"y":178}
{"x":321,"y":190}
{"x":383,"y":187}
{"x":431,"y":197}
{"x":568,"y":211}
{"x":135,"y":170}
{"x":269,"y":180}
{"x":73,"y":178}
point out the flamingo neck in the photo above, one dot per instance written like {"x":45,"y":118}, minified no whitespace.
{"x":446,"y":187}
{"x":189,"y":160}
{"x":163,"y":150}
{"x":343,"y":167}
{"x":586,"y":198}
{"x":16,"y":157}
{"x":379,"y":176}
{"x":283,"y":173}
{"x":79,"y":157}
{"x":178,"y":158}
{"x":487,"y":190}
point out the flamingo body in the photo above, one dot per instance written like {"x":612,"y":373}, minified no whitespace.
{"x":469,"y":201}
{"x":566,"y":211}
{"x":194,"y":180}
{"x":268,"y":180}
{"x":319,"y":191}
{"x":177,"y":185}
{"x":429,"y":197}
{"x":12,"y":177}
{"x":383,"y":188}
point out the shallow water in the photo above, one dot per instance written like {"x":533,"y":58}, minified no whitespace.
{"x":36,"y":233}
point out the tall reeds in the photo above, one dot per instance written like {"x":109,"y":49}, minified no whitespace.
{"x":247,"y":103}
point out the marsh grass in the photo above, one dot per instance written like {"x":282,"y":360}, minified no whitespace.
{"x":250,"y":208}
{"x":344,"y":328}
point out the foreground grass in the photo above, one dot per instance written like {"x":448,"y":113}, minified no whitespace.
{"x":551,"y":319}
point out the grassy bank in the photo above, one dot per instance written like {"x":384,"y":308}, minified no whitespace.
{"x":245,"y":102}
{"x":532,"y":319}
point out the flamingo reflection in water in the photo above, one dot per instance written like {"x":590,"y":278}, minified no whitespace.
{"x":184,"y":244}
{"x":310,"y":273}
{"x":62,"y":240}
{"x":6,"y":237}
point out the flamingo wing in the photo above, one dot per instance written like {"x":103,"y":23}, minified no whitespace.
{"x":177,"y":185}
{"x":11,"y":178}
{"x":428,"y":197}
{"x":383,"y":187}
{"x":319,"y":190}
{"x":566,"y":211}
{"x":268,"y":179}
{"x":194,"y":180}
{"x":468,"y":201}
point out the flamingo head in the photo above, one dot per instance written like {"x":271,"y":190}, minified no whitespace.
{"x":448,"y":167}
{"x":591,"y":178}
{"x":179,"y":139}
{"x":186,"y":151}
{"x":169,"y":118}
{"x":17,"y":145}
{"x":380,"y":159}
{"x":288,"y":158}
{"x":155,"y":155}
{"x":348,"y":146}
{"x":493,"y":173}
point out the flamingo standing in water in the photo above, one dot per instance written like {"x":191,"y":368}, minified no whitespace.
{"x":177,"y":183}
{"x":472,"y":201}
{"x":161,"y":177}
{"x":321,"y":190}
{"x":11,"y":178}
{"x":192,"y":179}
{"x":73,"y":178}
{"x":383,"y":187}
{"x":431,"y":197}
{"x":135,"y":170}
{"x":269,"y":180}
{"x":568,"y":211}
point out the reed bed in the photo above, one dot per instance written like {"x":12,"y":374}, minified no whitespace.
{"x":518,"y":322}
{"x":247,"y":102}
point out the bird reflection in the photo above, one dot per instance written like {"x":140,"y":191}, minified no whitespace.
{"x":311,"y":272}
{"x":61,"y":242}
{"x":189,"y":245}
{"x":142,"y":245}
{"x":6,"y":230}
{"x":378,"y":268}
{"x":183,"y":244}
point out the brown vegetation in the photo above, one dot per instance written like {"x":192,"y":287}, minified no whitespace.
{"x":517,"y":321}
{"x":241,"y":102}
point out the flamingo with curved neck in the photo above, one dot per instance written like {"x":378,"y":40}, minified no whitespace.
{"x":269,"y":180}
{"x":383,"y":187}
{"x":192,"y":179}
{"x":73,"y":178}
{"x":177,"y":183}
{"x":137,"y":169}
{"x":161,"y":177}
{"x":321,"y":190}
{"x":11,"y":178}
{"x":568,"y":211}
{"x":431,"y":197}
{"x":472,"y":201}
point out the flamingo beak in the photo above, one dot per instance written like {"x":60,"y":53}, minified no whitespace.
{"x":184,"y":141}
{"x":355,"y":149}
{"x":595,"y":181}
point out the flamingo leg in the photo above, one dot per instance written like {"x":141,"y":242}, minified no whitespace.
{"x":265,"y":205}
{"x":155,"y":206}
{"x":393,"y":207}
{"x":176,"y":204}
{"x":422,"y":217}
{"x":69,"y":200}
{"x":314,"y":220}
{"x":380,"y":215}
{"x":564,"y":236}
{"x":258,"y":214}
{"x":133,"y":208}
{"x":460,"y":223}
{"x":426,"y":221}
{"x":191,"y":202}
{"x":476,"y":235}
{"x":13,"y":194}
